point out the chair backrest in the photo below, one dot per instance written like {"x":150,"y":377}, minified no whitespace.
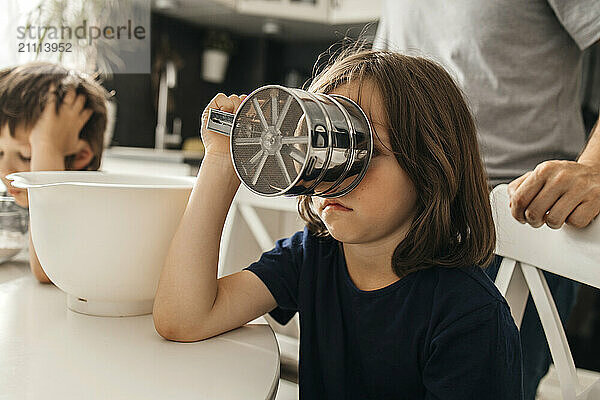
{"x":253,"y":225}
{"x":569,"y":252}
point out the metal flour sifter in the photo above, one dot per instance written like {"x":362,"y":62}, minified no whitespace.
{"x":292,"y":142}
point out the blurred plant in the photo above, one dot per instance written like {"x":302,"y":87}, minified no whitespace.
{"x":219,"y":40}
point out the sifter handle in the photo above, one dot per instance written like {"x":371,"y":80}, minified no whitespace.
{"x":220,"y":121}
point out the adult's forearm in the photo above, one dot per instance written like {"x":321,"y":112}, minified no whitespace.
{"x":591,"y":153}
{"x":188,"y":283}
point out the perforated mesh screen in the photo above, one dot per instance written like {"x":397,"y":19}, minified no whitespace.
{"x":270,"y":141}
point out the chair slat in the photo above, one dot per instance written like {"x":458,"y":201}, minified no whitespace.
{"x":553,"y":329}
{"x":572,"y":253}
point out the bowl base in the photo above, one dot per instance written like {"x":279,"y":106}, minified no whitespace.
{"x":109,"y":308}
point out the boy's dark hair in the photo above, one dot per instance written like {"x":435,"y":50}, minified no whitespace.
{"x":433,"y":137}
{"x":25,"y":90}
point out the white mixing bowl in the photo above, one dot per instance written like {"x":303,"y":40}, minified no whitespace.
{"x":103,"y":237}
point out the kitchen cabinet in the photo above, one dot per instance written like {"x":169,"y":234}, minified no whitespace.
{"x":313,"y":11}
{"x":285,"y":19}
{"x":227,"y":3}
{"x":323,"y":11}
{"x":134,"y":160}
{"x":354,"y":11}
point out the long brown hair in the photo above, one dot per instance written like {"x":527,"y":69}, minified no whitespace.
{"x":25,"y":91}
{"x":433,"y":137}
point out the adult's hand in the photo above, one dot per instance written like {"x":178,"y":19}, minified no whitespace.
{"x":557,"y":192}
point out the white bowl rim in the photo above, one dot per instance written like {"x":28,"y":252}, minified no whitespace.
{"x":22,"y":180}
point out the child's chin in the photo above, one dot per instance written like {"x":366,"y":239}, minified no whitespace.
{"x":341,"y":235}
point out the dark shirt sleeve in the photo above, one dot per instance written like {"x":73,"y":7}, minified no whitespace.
{"x":477,"y":356}
{"x":279,"y":269}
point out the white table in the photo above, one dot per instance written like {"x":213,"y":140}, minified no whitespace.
{"x":49,"y":352}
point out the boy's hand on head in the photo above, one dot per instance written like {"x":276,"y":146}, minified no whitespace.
{"x":216,"y":143}
{"x":58,"y":132}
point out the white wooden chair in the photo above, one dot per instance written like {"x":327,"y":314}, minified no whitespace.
{"x":569,"y":252}
{"x":253,"y":225}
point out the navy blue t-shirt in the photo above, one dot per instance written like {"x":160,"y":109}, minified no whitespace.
{"x":439,"y":333}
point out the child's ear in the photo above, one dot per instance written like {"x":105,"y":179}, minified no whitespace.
{"x":83,"y":156}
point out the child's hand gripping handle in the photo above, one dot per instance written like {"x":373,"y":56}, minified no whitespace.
{"x":220,"y":121}
{"x":217,"y":120}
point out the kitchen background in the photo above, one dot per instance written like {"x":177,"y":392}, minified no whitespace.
{"x":273,"y":42}
{"x":279,"y":45}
